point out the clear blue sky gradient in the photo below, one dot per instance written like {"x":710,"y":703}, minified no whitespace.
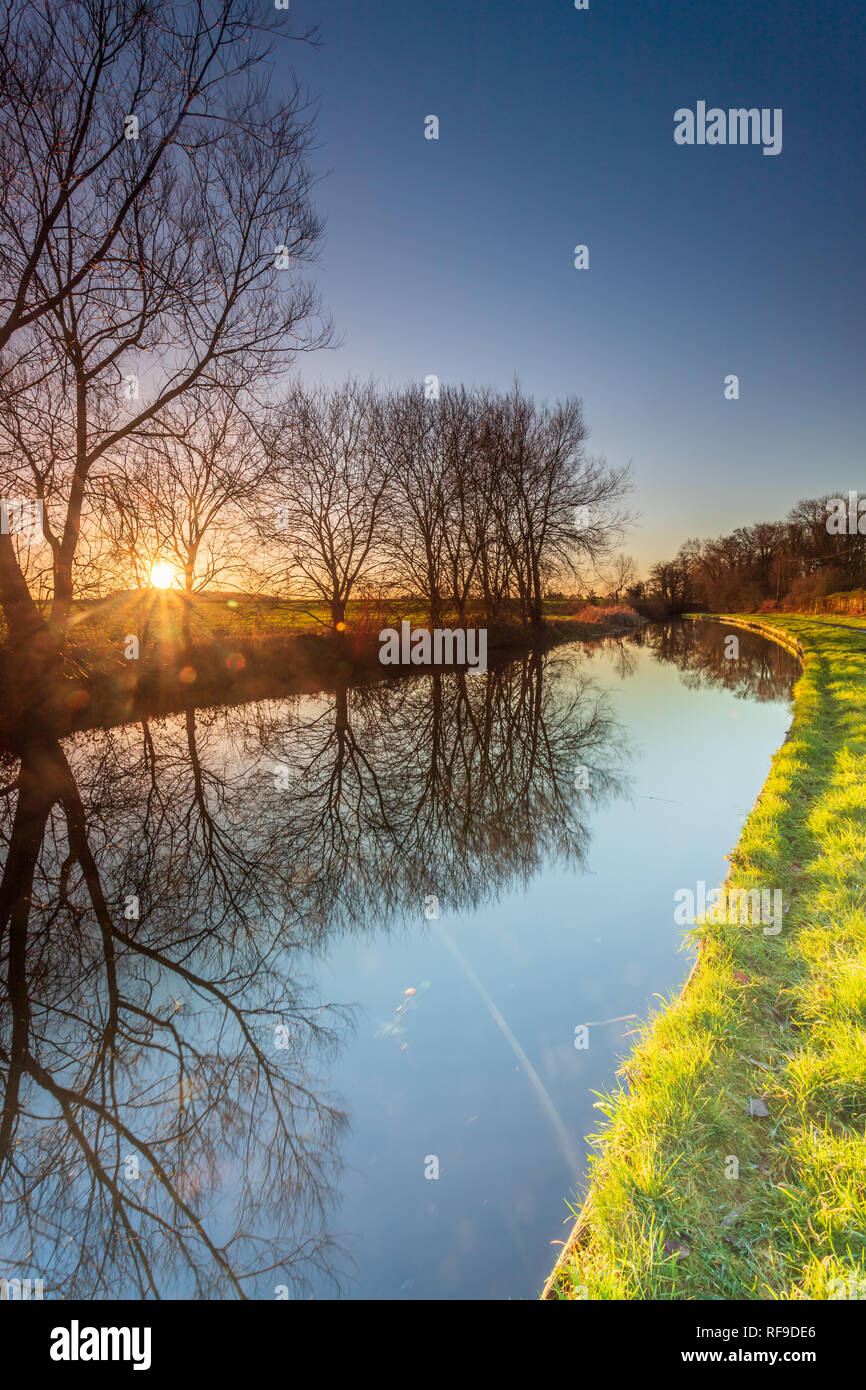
{"x":455,"y":256}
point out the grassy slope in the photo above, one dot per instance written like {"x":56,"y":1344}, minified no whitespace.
{"x":775,"y":1017}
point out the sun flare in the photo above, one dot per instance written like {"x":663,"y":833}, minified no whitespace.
{"x":162,"y":575}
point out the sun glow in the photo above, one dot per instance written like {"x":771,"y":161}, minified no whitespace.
{"x":162,"y":575}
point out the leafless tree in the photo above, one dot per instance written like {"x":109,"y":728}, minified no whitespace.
{"x":186,"y":485}
{"x":169,"y":258}
{"x":326,"y":504}
{"x":413,"y":454}
{"x":492,"y":495}
{"x":623,"y":573}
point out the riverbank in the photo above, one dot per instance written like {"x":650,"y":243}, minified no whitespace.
{"x":152,"y":652}
{"x":732,"y":1164}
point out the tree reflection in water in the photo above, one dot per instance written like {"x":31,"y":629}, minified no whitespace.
{"x":166,"y":1124}
{"x":760,"y":670}
{"x":166,"y":1127}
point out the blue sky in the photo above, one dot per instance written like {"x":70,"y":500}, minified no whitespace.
{"x":455,"y":256}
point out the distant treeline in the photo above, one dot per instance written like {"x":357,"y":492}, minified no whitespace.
{"x":794,"y":564}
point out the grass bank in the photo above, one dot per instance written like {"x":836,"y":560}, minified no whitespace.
{"x":696,"y":1191}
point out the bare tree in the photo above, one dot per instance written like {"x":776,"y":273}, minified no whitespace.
{"x":327,"y":499}
{"x":489,"y":496}
{"x":623,"y":574}
{"x":186,"y":485}
{"x":411,"y":443}
{"x":170,"y":262}
{"x":557,"y":508}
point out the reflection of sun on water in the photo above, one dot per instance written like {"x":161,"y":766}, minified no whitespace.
{"x":162,"y":575}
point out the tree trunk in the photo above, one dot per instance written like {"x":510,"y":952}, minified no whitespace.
{"x":24,"y":623}
{"x":32,"y":660}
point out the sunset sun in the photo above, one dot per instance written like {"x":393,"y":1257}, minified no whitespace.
{"x":162,"y":575}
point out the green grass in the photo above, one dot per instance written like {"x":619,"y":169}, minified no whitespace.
{"x":779,"y":1017}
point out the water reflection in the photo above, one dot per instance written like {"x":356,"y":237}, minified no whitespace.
{"x":166,"y":1126}
{"x":750,"y":667}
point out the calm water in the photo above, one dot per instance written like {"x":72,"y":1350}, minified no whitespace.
{"x":290,"y":990}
